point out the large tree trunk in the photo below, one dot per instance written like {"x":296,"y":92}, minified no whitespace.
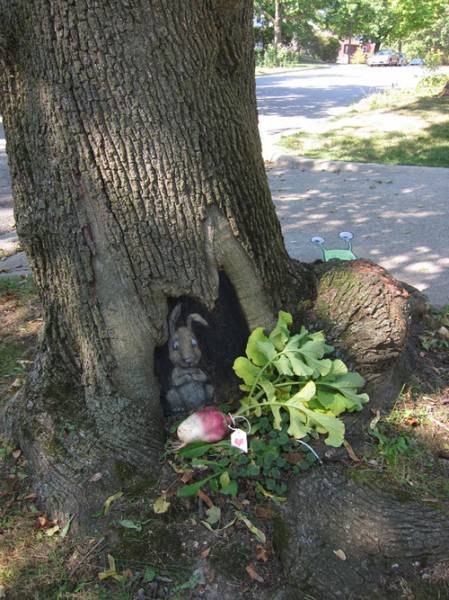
{"x":138,"y":179}
{"x":137,"y":176}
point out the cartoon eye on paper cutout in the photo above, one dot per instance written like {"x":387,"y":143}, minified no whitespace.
{"x":346,"y":236}
{"x":318,"y":240}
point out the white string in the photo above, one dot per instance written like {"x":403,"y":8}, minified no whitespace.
{"x":311,"y":450}
{"x":234,"y":422}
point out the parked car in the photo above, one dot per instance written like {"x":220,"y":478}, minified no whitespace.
{"x":402,"y":60}
{"x":416,"y":62}
{"x":385,"y":57}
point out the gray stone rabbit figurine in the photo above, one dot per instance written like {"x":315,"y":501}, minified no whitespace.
{"x":190,"y":388}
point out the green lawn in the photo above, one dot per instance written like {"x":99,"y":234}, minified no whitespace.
{"x":403,"y":128}
{"x":291,"y":66}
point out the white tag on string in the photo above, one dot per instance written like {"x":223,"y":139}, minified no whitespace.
{"x":239,"y":440}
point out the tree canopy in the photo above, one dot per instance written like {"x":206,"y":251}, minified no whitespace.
{"x":373,"y":20}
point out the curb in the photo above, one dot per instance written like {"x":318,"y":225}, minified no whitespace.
{"x":289,"y":161}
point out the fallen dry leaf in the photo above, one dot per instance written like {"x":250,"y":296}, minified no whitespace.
{"x":187,"y":476}
{"x":16,"y":453}
{"x":263,"y":512}
{"x":261,"y":553}
{"x":161,"y":505}
{"x":205,"y":553}
{"x":353,"y":456}
{"x":95,"y":477}
{"x":42,"y":521}
{"x":205,"y":498}
{"x":210,"y":576}
{"x":52,"y":530}
{"x":253,"y":574}
{"x":31,"y":497}
{"x":375,"y":421}
{"x":340,"y":554}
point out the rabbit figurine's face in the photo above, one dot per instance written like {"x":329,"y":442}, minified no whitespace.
{"x":184,"y":350}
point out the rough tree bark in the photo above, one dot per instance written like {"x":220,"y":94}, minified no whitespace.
{"x":138,"y":179}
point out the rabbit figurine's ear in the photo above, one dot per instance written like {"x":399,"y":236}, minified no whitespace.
{"x":174,"y":316}
{"x":197,"y":318}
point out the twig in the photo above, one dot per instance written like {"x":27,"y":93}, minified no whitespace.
{"x":83,"y":559}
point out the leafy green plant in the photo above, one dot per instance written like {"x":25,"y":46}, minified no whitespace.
{"x":271,"y":459}
{"x":436,"y":335}
{"x":392,"y":447}
{"x":289,"y":374}
{"x":432,"y":84}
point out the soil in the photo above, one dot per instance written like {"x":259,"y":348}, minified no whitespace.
{"x":136,"y":554}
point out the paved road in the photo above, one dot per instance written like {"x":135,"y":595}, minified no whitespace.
{"x":6,"y":218}
{"x":296,"y":100}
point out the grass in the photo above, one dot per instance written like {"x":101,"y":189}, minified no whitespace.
{"x":402,"y":127}
{"x":19,"y":322}
{"x":290,"y":66}
{"x":407,"y":444}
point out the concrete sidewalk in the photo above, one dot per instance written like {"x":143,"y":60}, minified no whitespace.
{"x":399,"y":217}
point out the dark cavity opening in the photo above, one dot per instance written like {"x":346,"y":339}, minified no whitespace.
{"x":220,"y":343}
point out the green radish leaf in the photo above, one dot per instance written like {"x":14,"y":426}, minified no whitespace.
{"x":268,"y":350}
{"x":304,"y":395}
{"x":245,"y":369}
{"x":277,"y":420}
{"x":329,"y":424}
{"x":338,"y":367}
{"x":299,"y":367}
{"x":253,"y":352}
{"x":281,"y":333}
{"x":298,"y":428}
{"x":331,"y":402}
{"x":270,"y":390}
{"x":282,"y":365}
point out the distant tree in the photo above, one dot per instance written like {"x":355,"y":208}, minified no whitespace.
{"x":382,"y":20}
{"x":348,"y":18}
{"x":434,"y":38}
{"x":289,"y":19}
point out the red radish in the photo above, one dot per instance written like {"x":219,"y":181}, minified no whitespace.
{"x":206,"y":425}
